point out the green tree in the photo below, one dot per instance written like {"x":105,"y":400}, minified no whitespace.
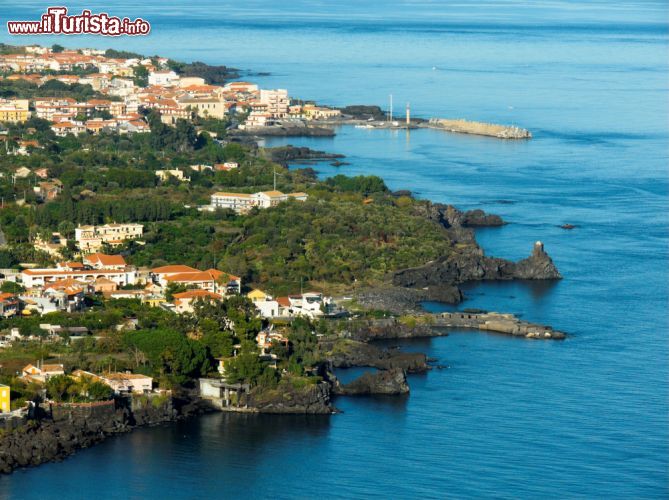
{"x":61,"y":388}
{"x":246,"y":367}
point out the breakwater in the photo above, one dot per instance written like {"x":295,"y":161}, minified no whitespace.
{"x":479,"y":128}
{"x":497,"y":322}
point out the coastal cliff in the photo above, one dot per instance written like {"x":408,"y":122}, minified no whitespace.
{"x":59,"y":430}
{"x":313,"y":399}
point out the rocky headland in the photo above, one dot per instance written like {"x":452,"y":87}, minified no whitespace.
{"x":286,"y":154}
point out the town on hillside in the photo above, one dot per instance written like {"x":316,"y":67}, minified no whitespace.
{"x":150,"y":245}
{"x":126,"y":87}
{"x":80,"y":272}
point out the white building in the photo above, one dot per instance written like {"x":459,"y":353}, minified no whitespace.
{"x":239,"y":202}
{"x":242,"y":202}
{"x":163,"y":78}
{"x":277,"y":102}
{"x":311,"y":305}
{"x":34,"y":278}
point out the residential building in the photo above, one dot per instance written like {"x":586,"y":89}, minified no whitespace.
{"x":47,"y":107}
{"x":266,"y":305}
{"x":164,"y":175}
{"x":34,"y":278}
{"x":239,"y":202}
{"x":91,"y":238}
{"x":67,"y":294}
{"x":121,"y":383}
{"x":190,"y":81}
{"x":62,"y":129}
{"x":128,"y":382}
{"x":310,"y":304}
{"x":5,"y":398}
{"x":163,"y":78}
{"x":211,"y":280}
{"x":22,"y":172}
{"x":48,"y":190}
{"x":207,"y":107}
{"x":268,"y":199}
{"x":159,"y":274}
{"x":258,"y":119}
{"x":312,"y":112}
{"x":52,"y":246}
{"x":14,"y":110}
{"x":242,"y":202}
{"x":104,"y":261}
{"x":241,"y":87}
{"x":276,"y":102}
{"x":42,"y":373}
{"x":9,"y":305}
{"x":104,"y":286}
{"x":183,"y":302}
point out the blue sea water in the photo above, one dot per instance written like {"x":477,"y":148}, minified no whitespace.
{"x":507,"y":418}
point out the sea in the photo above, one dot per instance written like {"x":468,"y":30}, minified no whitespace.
{"x":503,"y":417}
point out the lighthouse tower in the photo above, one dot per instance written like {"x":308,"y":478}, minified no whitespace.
{"x":408,"y":114}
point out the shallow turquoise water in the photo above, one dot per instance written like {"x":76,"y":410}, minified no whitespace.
{"x":510,"y":418}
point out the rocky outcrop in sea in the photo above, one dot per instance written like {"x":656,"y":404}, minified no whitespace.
{"x":388,"y":382}
{"x":313,"y":399}
{"x":347,"y":353}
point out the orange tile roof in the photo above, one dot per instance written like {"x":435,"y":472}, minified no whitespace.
{"x":194,"y":294}
{"x":283,"y":301}
{"x":106,"y":260}
{"x":192,"y":277}
{"x":174,"y":269}
{"x":52,"y":368}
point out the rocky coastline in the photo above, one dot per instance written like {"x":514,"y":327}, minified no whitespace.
{"x":287,"y":154}
{"x":52,"y":432}
{"x":285,"y":131}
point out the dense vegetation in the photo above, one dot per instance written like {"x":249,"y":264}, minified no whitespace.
{"x":352,"y":229}
{"x":214,"y":75}
{"x":175,"y":350}
{"x":22,"y":89}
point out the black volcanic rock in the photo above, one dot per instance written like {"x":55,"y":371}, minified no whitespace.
{"x":389,"y":382}
{"x":289,"y":153}
{"x":538,"y":266}
{"x":347,"y":353}
{"x":478,"y":218}
{"x":313,"y":399}
{"x":470,"y":264}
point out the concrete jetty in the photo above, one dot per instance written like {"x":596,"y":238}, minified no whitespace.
{"x":497,"y":322}
{"x":479,"y":128}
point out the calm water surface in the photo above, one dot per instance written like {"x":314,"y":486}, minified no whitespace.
{"x":506,"y":417}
